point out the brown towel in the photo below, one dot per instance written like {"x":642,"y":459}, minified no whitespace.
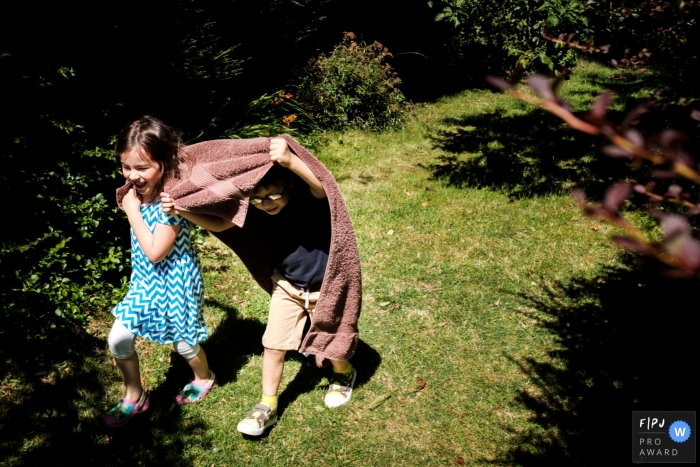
{"x":219,"y":183}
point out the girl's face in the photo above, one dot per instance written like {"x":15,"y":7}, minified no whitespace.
{"x":143,"y":172}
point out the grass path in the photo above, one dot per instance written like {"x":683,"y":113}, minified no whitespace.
{"x":455,"y":269}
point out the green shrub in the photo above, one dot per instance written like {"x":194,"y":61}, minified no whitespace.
{"x":64,"y":252}
{"x":513,"y":28}
{"x":353,"y":87}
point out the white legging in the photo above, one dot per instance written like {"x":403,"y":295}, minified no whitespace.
{"x":121,"y":343}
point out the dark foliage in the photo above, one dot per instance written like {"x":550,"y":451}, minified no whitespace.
{"x":663,"y":34}
{"x":625,"y":336}
{"x":510,"y":31}
{"x":72,"y":77}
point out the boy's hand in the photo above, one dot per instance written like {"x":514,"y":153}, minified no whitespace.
{"x":131,"y":202}
{"x":168,"y":204}
{"x":280,"y":153}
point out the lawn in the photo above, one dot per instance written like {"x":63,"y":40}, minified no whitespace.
{"x":493,"y":326}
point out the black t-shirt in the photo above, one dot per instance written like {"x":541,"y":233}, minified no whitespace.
{"x":299,"y":237}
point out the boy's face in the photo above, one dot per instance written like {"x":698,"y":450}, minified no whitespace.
{"x":269,"y":206}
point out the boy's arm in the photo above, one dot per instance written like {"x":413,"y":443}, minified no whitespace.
{"x":156,"y":244}
{"x":280,"y":153}
{"x":212,"y":223}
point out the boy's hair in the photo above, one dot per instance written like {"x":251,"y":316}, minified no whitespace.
{"x":154,"y":140}
{"x":275,"y":176}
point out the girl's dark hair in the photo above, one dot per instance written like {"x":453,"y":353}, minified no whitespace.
{"x":154,"y":140}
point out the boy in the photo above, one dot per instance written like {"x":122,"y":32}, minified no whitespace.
{"x":294,"y":224}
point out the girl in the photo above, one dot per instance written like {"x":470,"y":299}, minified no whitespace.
{"x":164,"y":301}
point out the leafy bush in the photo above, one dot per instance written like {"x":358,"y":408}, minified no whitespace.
{"x":353,"y":87}
{"x":665,"y":32}
{"x":513,"y":28}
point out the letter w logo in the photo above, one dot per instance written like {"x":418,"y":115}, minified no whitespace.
{"x":680,"y":431}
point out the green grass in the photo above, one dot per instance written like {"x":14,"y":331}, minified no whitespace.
{"x":478,"y":271}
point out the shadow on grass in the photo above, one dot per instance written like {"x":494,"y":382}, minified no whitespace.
{"x":53,"y":395}
{"x":524,"y":155}
{"x":627,"y":343}
{"x":53,"y":398}
{"x":535,"y":153}
{"x":366,"y":360}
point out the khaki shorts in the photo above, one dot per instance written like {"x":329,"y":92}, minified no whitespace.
{"x":290,"y":307}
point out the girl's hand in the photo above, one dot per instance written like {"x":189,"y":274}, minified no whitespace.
{"x":280,"y":153}
{"x":168,"y":204}
{"x":131,"y":202}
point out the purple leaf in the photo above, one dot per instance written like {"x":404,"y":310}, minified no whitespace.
{"x":640,"y":188}
{"x":670,"y":138}
{"x":628,"y":243}
{"x":600,"y":105}
{"x":695,"y":114}
{"x":690,"y":252}
{"x":498,"y":83}
{"x":650,"y":185}
{"x":634,"y":114}
{"x":673,"y":224}
{"x":580,"y":196}
{"x":541,"y":85}
{"x":673,"y":191}
{"x":614,"y":62}
{"x":664,"y":174}
{"x":682,"y":157}
{"x":616,"y":195}
{"x":615,"y":151}
{"x":694,"y":211}
{"x":635,"y":138}
{"x":563,"y":104}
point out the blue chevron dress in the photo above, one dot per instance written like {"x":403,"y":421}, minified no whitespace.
{"x":164,"y":301}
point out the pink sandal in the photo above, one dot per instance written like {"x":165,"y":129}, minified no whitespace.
{"x":124,"y":410}
{"x":195,"y":391}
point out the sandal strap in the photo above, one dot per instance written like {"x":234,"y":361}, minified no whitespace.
{"x":204,"y":384}
{"x":260,"y":413}
{"x":122,"y":409}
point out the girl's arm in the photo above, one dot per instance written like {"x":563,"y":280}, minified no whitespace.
{"x":156,"y":244}
{"x":211,"y":223}
{"x":280,"y":153}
